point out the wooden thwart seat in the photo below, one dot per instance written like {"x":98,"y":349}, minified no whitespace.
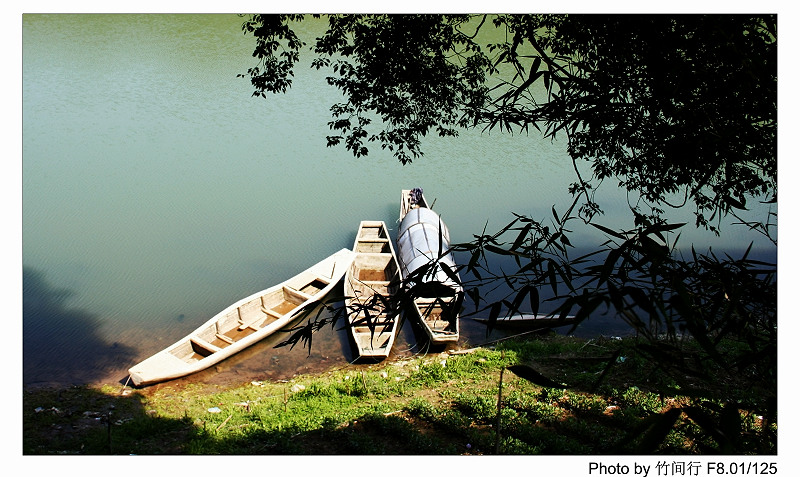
{"x":244,"y":326}
{"x":271,"y":313}
{"x":440,"y":326}
{"x":224,"y":338}
{"x":373,"y":240}
{"x":249,"y":324}
{"x":297,"y":294}
{"x":203,"y":344}
{"x":362,"y":329}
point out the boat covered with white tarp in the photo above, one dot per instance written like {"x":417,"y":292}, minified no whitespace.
{"x":423,"y":249}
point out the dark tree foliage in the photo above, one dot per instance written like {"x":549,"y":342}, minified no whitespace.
{"x":667,"y":104}
{"x":414,"y":72}
{"x":680,"y":110}
{"x":672,"y":106}
{"x":700,"y":318}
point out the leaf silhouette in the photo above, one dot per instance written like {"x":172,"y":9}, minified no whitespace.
{"x":652,"y":431}
{"x":529,"y":374}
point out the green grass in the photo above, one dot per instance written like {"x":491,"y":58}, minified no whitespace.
{"x":437,"y":404}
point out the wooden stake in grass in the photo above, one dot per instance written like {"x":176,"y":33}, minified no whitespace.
{"x":108,"y":423}
{"x":224,"y":422}
{"x":499,"y":408}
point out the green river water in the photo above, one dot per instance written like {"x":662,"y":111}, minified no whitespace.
{"x":156,"y":191}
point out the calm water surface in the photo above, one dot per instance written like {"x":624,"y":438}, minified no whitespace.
{"x":157,"y":190}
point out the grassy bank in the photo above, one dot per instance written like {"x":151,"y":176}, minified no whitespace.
{"x":436,"y":404}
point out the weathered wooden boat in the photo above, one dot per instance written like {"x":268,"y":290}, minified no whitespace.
{"x":529,"y":322}
{"x":244,"y":323}
{"x":423,"y":240}
{"x":370,"y":282}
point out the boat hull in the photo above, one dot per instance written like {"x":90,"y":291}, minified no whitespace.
{"x":529,"y":322}
{"x":370,"y":282}
{"x":422,"y":239}
{"x":244,"y":323}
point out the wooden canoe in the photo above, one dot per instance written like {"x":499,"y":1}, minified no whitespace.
{"x":529,"y":322}
{"x":420,"y":236}
{"x":371,"y":280}
{"x":244,"y":323}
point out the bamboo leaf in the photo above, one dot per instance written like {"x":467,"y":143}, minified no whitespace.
{"x":724,"y":438}
{"x":431,"y":290}
{"x":494,"y":312}
{"x":609,"y":231}
{"x":534,"y":300}
{"x":730,"y":424}
{"x":551,"y":273}
{"x":522,"y":235}
{"x":639,"y":297}
{"x":440,"y":238}
{"x":452,"y":275}
{"x":609,"y":364}
{"x":734,"y":203}
{"x":653,"y":431}
{"x":529,"y":374}
{"x":537,"y":62}
{"x":662,"y":228}
{"x":473,"y":260}
{"x":475,"y":295}
{"x":497,"y":250}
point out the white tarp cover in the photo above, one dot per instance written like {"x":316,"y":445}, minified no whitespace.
{"x":418,"y":243}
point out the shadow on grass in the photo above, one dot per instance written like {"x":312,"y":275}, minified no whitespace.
{"x":370,"y":434}
{"x":87,"y":421}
